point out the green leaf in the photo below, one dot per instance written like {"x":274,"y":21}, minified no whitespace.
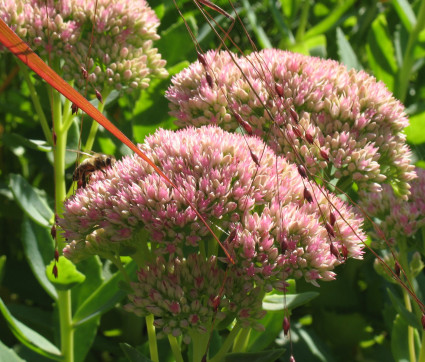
{"x":408,"y":317}
{"x":405,"y":13}
{"x":92,"y":269}
{"x":8,"y":355}
{"x":263,"y":356}
{"x":399,"y":342}
{"x":263,"y":39}
{"x":133,"y":354}
{"x":68,"y":275}
{"x":346,"y":52}
{"x":276,"y":302}
{"x":2,"y":267}
{"x":381,"y":53}
{"x":330,"y":21}
{"x":14,"y":140}
{"x":84,"y":337}
{"x":272,"y":323}
{"x":30,"y":200}
{"x":103,"y":298}
{"x":415,"y":132}
{"x":39,"y":250}
{"x":29,"y":337}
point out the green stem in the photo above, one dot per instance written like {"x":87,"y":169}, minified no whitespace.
{"x":177,"y":353}
{"x":227,"y":344}
{"x":408,"y":59}
{"x":64,"y":297}
{"x":93,"y":129}
{"x":303,"y":22}
{"x":153,"y":347}
{"x":37,"y":105}
{"x":410,"y":330}
{"x":117,"y":262}
{"x":422,"y":351}
{"x":199,"y":344}
{"x":241,"y":341}
{"x":66,"y":328}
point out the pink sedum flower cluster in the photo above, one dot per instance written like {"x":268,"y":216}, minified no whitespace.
{"x":308,"y":107}
{"x":121,"y":54}
{"x":256,"y":206}
{"x":398,"y":218}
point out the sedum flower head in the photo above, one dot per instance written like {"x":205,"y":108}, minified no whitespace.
{"x":258,"y":210}
{"x":121,"y":53}
{"x":345,"y":114}
{"x":398,"y":218}
{"x":130,"y":203}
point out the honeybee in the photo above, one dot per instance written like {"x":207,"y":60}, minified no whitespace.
{"x":95,"y":162}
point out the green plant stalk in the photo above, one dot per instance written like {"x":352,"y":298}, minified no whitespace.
{"x":405,"y":266}
{"x":421,"y":357}
{"x":175,"y":348}
{"x":153,"y":347}
{"x":94,"y":127}
{"x":303,"y":22}
{"x":227,"y":344}
{"x":36,"y":101}
{"x":406,"y":67}
{"x":64,"y":297}
{"x":241,"y":341}
{"x":199,"y":344}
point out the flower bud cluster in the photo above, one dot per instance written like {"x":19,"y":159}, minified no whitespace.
{"x":275,"y":233}
{"x":398,"y":218}
{"x":119,"y":56}
{"x":303,"y":106}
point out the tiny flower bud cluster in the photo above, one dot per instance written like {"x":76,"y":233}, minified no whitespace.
{"x":274,"y":232}
{"x":121,"y":53}
{"x":399,"y":219}
{"x":341,"y":121}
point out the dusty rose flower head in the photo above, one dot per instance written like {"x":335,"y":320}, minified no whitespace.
{"x":318,"y":110}
{"x":121,"y":54}
{"x":257,"y":206}
{"x":182,"y":294}
{"x":398,"y":218}
{"x":131,"y":203}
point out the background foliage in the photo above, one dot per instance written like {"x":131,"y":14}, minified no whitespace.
{"x":352,"y":318}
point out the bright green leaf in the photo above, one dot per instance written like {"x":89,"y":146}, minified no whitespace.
{"x":276,"y":302}
{"x":381,"y":53}
{"x":8,"y":355}
{"x":14,"y":140}
{"x":68,"y":275}
{"x":30,"y":201}
{"x":415,"y":132}
{"x":405,"y":12}
{"x":346,"y":52}
{"x":272,"y":323}
{"x":29,"y":337}
{"x":331,"y":20}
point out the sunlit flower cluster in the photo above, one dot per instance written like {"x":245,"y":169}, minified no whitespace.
{"x":398,"y":219}
{"x":254,"y":201}
{"x":120,"y":54}
{"x":303,"y":107}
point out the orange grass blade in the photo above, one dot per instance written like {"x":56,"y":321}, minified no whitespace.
{"x":19,"y":48}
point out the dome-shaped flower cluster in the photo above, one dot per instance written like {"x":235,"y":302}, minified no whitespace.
{"x":121,"y":53}
{"x":254,"y":200}
{"x":398,"y":218}
{"x":303,"y":107}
